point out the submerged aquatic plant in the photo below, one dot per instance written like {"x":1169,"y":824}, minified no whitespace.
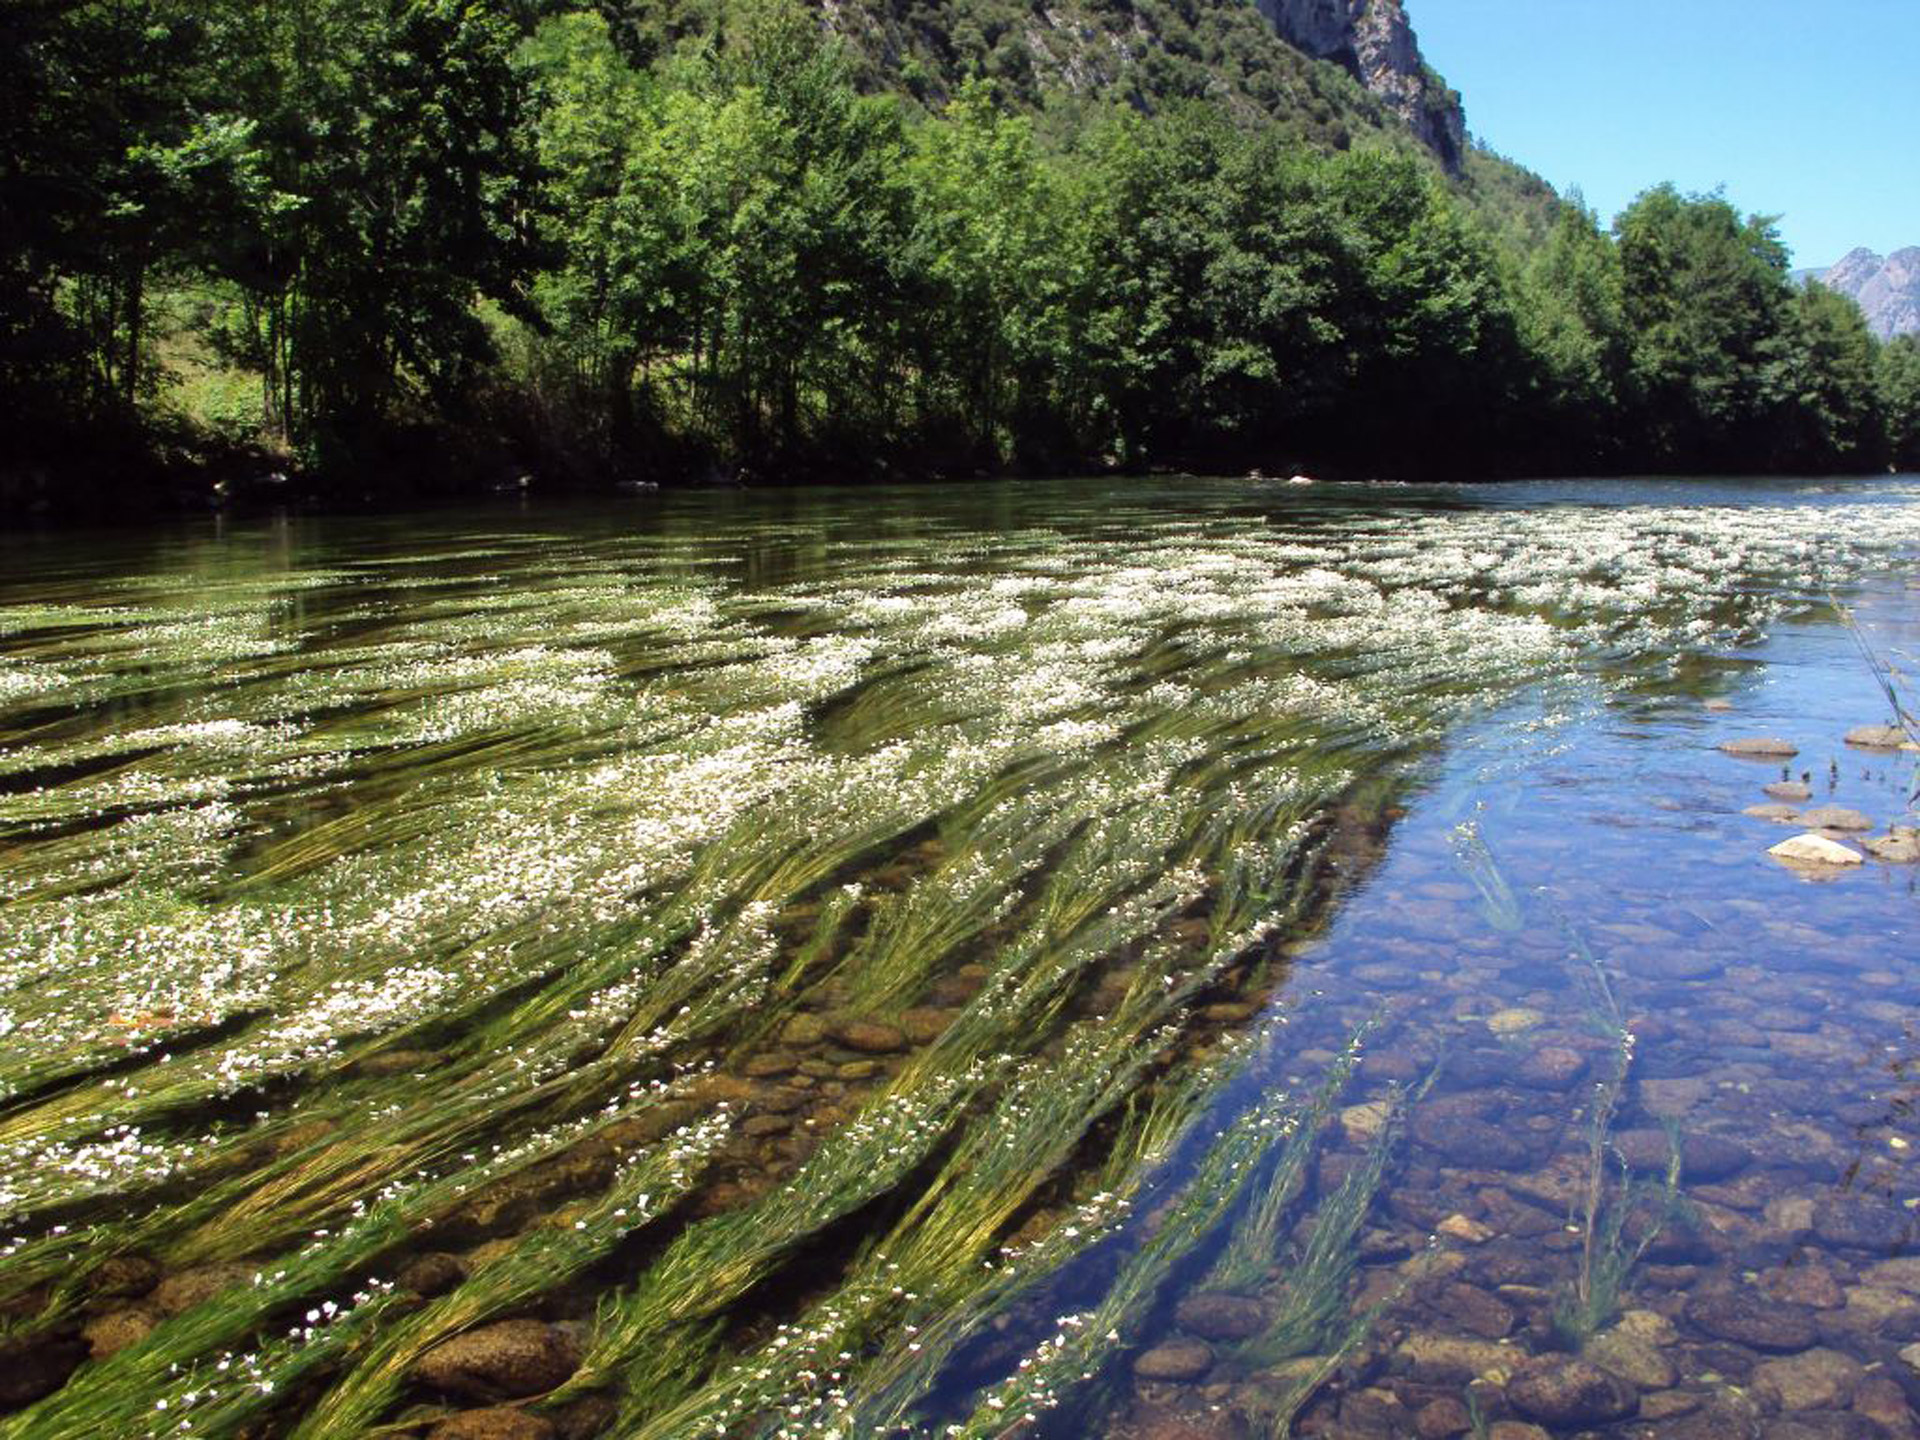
{"x":339,"y":888}
{"x":1619,"y":1222}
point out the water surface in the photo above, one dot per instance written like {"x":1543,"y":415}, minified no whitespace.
{"x":1077,"y":958}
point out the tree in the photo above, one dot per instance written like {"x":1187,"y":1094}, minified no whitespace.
{"x":1573,"y":323}
{"x":1832,"y":406}
{"x":1898,"y":383}
{"x":1707,"y":300}
{"x":991,"y":255}
{"x":399,"y":185}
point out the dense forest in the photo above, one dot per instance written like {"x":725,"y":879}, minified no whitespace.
{"x":393,"y":245}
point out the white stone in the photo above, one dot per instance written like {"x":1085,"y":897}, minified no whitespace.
{"x":1811,"y":849}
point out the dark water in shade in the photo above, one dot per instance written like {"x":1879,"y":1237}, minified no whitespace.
{"x":862,"y":925}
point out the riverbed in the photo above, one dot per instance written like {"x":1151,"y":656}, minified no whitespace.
{"x":1176,"y":959}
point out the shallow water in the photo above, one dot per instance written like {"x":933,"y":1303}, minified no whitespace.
{"x":876,"y":960}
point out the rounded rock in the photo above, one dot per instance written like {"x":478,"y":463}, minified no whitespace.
{"x":869,"y":1037}
{"x":1702,"y":1157}
{"x":179,"y":1293}
{"x":1814,"y":1380}
{"x":1442,"y":1419}
{"x":1215,"y":1315}
{"x":1554,"y":1067}
{"x":1835,"y":817}
{"x":1900,"y":848}
{"x":1765,"y":747}
{"x":1815,"y":852}
{"x":1856,"y":1223}
{"x":114,"y":1331}
{"x":1877,"y":737}
{"x":433,"y":1273}
{"x":124,"y":1276}
{"x":1572,"y":1393}
{"x":1463,"y":1141}
{"x":1747,"y":1318}
{"x":1175,"y":1362}
{"x":500,"y":1423}
{"x":508,"y":1360}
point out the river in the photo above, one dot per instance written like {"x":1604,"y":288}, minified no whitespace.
{"x":1169,"y":960}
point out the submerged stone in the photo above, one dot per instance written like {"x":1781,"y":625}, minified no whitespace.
{"x":1554,"y":1067}
{"x":433,"y":1273}
{"x":1857,"y":1223}
{"x":1637,"y":1361}
{"x":1215,"y":1315}
{"x":117,"y":1329}
{"x":182,"y":1292}
{"x":869,"y":1037}
{"x":499,"y":1423}
{"x":1702,"y":1157}
{"x":1572,"y":1393}
{"x":1175,"y":1362}
{"x":1748,"y":1318}
{"x":507,"y":1360}
{"x":1463,"y":1141}
{"x":1814,"y":1380}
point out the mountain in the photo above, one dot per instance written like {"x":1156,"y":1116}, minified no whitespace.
{"x":1375,"y":42}
{"x":1333,"y":71}
{"x":1887,"y":289}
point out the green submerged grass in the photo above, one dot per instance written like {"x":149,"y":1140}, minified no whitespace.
{"x":339,"y":900}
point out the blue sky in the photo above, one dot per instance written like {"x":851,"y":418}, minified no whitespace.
{"x":1806,"y":109}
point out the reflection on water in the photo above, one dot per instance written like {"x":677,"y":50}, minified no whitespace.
{"x":1201,"y":961}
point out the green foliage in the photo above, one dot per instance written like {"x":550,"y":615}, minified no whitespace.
{"x":1898,"y":383}
{"x":1573,"y":317}
{"x":690,"y":238}
{"x":1832,"y":397}
{"x":1707,"y":298}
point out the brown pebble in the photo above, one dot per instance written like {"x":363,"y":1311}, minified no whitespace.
{"x":1442,"y":1419}
{"x":500,"y":1423}
{"x":501,"y":1361}
{"x":870,"y":1037}
{"x":803,"y":1030}
{"x":1215,"y":1315}
{"x":1176,"y":1362}
{"x":1877,"y":737}
{"x":1554,"y":1067}
{"x":433,"y":1273}
{"x":179,"y":1293}
{"x":124,"y":1276}
{"x":114,"y":1331}
{"x":1761,"y":747}
{"x":925,"y":1024}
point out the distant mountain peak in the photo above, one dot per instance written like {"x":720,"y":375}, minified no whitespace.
{"x":1887,"y":288}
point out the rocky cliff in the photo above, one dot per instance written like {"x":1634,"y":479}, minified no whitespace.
{"x":1887,"y":289}
{"x":1373,"y":39}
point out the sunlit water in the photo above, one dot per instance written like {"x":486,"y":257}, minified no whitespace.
{"x":1068,"y":958}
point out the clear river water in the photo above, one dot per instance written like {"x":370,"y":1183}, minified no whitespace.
{"x":1182,"y":960}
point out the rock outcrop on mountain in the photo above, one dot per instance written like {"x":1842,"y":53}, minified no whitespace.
{"x":1373,"y":39}
{"x":1886,"y":289}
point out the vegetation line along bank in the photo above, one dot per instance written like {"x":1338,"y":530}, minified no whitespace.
{"x":425,"y":245}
